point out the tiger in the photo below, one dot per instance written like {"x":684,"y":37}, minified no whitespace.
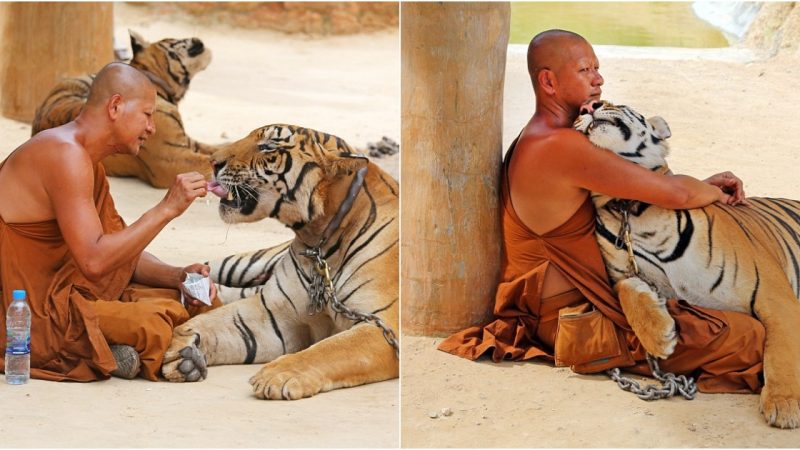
{"x":170,"y":64}
{"x":339,"y":205}
{"x":744,"y":259}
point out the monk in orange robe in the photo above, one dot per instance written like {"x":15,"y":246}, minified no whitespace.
{"x":554,"y":300}
{"x":88,"y":280}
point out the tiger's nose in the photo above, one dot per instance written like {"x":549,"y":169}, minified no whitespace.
{"x":196,"y":48}
{"x":589,"y":108}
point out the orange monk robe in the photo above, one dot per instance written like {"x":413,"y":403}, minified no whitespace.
{"x":723,"y":349}
{"x":73,"y":319}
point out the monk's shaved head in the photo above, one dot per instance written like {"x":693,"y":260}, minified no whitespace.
{"x":119,"y":78}
{"x":547,"y":51}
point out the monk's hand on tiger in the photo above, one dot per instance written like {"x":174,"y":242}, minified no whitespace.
{"x":730,"y":184}
{"x":203,"y":270}
{"x":185,"y":188}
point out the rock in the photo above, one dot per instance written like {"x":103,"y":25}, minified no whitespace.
{"x":433,"y":414}
{"x":446,"y":412}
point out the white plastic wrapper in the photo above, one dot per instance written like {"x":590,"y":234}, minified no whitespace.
{"x":198,"y":286}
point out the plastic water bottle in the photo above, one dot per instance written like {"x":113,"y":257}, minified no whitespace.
{"x":18,"y":332}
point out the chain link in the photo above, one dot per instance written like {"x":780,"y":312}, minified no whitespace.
{"x":671,"y":384}
{"x":323,"y":292}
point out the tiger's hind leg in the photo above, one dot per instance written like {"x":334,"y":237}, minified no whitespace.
{"x":353,"y":357}
{"x":648,"y":316}
{"x":777,"y":307}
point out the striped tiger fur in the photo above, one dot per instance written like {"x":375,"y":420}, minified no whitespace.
{"x":300,"y":177}
{"x":744,"y":259}
{"x":170,"y":64}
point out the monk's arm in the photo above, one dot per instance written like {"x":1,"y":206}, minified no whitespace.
{"x":598,"y":170}
{"x":70,"y":189}
{"x":151,"y":271}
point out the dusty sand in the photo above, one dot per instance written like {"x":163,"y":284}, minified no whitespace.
{"x":726,"y":113}
{"x":348,"y":86}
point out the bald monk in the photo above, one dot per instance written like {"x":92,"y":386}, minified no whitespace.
{"x":551,"y":261}
{"x":62,"y":240}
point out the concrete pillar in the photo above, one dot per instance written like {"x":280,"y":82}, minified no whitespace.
{"x":453,"y":66}
{"x":44,"y":42}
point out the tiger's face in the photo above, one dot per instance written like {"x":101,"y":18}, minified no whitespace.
{"x":279,"y":171}
{"x":175,"y":61}
{"x":624,"y":131}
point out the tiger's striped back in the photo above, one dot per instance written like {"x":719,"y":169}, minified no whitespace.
{"x":63,"y":103}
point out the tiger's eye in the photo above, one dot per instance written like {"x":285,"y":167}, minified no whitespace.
{"x":266,"y":148}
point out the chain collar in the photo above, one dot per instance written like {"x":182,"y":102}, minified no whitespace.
{"x":624,"y":208}
{"x":158,"y":81}
{"x":322,"y":291}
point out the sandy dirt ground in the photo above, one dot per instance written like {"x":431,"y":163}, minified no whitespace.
{"x":347,"y":86}
{"x":726,"y":112}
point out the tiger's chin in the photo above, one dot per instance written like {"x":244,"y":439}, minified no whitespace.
{"x":236,"y":209}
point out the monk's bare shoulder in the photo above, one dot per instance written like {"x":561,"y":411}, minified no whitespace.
{"x":550,"y":147}
{"x":56,"y":152}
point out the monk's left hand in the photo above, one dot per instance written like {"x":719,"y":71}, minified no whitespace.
{"x":203,"y":270}
{"x":730,"y":184}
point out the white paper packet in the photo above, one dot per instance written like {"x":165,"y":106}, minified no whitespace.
{"x":198,"y":286}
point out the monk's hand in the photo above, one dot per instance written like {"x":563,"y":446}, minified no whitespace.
{"x":203,"y":270}
{"x":185,"y":188}
{"x":731,"y":185}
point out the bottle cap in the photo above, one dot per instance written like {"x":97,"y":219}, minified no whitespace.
{"x":19,"y":294}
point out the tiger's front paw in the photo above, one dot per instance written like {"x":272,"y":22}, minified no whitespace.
{"x":184,"y":361}
{"x":780,"y":409}
{"x":278,"y":380}
{"x":648,"y":316}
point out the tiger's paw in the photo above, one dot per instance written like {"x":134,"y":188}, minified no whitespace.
{"x":780,"y":410}
{"x":648,"y":316}
{"x":280,"y":381}
{"x":184,"y":361}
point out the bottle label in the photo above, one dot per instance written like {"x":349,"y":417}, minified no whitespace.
{"x":18,"y":344}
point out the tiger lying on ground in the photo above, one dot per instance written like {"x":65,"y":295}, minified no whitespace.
{"x":170,"y":64}
{"x":742,"y":259}
{"x":311,"y":182}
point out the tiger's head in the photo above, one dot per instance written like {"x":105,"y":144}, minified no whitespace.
{"x":624,"y":131}
{"x":174,"y":62}
{"x":285,"y":172}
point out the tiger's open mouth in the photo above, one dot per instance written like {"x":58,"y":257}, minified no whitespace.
{"x":239,"y":198}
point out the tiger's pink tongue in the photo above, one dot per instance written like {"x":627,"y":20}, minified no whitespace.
{"x":217,"y":189}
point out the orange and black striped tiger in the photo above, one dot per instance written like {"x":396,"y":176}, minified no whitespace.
{"x":336,"y":202}
{"x":170,"y":64}
{"x":742,"y":258}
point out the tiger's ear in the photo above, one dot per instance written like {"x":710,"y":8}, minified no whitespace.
{"x":138,"y":43}
{"x":660,"y":126}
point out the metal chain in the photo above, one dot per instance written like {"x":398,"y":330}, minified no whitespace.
{"x":323,"y":292}
{"x":671,"y":384}
{"x":625,"y":237}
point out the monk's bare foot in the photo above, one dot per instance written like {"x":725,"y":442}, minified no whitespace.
{"x":286,"y":378}
{"x":648,"y":316}
{"x":184,"y":361}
